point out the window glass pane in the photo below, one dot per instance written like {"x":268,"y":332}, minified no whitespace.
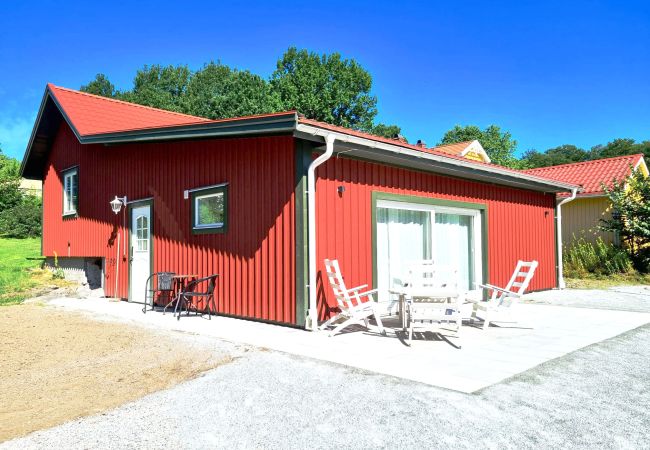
{"x":210,"y":210}
{"x":454,"y":242}
{"x":403,"y":238}
{"x":70,"y":191}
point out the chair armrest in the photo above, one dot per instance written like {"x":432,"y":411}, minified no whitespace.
{"x":496,"y":288}
{"x":358,"y":288}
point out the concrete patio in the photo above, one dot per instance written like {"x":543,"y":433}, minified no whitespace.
{"x":544,"y":332}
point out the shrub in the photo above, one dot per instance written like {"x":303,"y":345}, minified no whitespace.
{"x":584,"y":258}
{"x":23,"y":219}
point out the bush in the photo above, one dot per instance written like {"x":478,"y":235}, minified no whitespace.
{"x":23,"y":219}
{"x":584,"y":258}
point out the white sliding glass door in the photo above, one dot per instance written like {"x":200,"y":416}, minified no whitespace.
{"x":411,"y":232}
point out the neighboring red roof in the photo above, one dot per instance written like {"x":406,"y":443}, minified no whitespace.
{"x":590,"y":174}
{"x":453,"y":149}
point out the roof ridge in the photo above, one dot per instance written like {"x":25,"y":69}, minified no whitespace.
{"x":123,"y":102}
{"x":589,"y":161}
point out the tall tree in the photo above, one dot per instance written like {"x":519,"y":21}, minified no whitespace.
{"x":498,"y":144}
{"x":563,"y":154}
{"x":216,"y":91}
{"x":325,"y":87}
{"x":620,"y":147}
{"x":162,"y":87}
{"x":100,"y":86}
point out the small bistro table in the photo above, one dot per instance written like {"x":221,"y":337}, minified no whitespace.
{"x":180,"y":281}
{"x":428,"y":305}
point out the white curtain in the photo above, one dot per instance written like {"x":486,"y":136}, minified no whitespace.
{"x":403,"y":237}
{"x":453,"y":246}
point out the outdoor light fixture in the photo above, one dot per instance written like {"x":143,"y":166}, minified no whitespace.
{"x":116,"y":204}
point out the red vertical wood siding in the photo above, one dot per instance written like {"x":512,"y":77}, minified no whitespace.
{"x":255,"y":258}
{"x":520,"y":222}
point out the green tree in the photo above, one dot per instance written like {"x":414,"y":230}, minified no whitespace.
{"x":326,"y":88}
{"x":100,"y":86}
{"x":563,"y":154}
{"x":631,"y":218}
{"x":620,"y":147}
{"x":162,"y":87}
{"x":217,"y":91}
{"x":20,"y":214}
{"x":387,"y":131}
{"x":498,"y":144}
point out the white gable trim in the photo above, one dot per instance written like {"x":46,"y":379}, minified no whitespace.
{"x":476,"y":147}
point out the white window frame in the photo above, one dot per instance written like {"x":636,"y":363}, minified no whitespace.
{"x":477,"y":232}
{"x":203,"y":226}
{"x":68,"y":207}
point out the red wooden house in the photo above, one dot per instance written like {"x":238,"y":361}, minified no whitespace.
{"x":231,"y":197}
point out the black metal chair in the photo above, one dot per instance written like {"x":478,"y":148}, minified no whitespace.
{"x":191,"y":296}
{"x":158,"y":284}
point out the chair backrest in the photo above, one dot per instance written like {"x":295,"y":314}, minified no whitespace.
{"x":519,"y":281}
{"x":425,"y":274}
{"x":209,"y":282}
{"x":335,"y":278}
{"x":164,"y":281}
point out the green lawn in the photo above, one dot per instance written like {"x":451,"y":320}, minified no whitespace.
{"x":19,"y":275}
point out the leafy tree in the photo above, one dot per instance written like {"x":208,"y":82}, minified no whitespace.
{"x":9,"y":182}
{"x":162,"y":87}
{"x":325,"y":87}
{"x":217,"y":91}
{"x":499,"y":145}
{"x":620,"y":147}
{"x":100,"y":86}
{"x":631,"y":218}
{"x":387,"y":131}
{"x":563,"y":154}
{"x":20,"y":214}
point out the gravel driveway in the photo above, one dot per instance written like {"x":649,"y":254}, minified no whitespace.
{"x":595,"y":397}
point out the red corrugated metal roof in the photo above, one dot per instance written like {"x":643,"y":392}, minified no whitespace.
{"x":91,"y":114}
{"x":591,"y":174}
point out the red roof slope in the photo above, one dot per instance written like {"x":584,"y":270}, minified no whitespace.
{"x":91,"y":114}
{"x":590,"y":174}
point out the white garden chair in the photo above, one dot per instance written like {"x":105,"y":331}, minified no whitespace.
{"x":355,"y":305}
{"x":434,"y":300}
{"x":502,"y":299}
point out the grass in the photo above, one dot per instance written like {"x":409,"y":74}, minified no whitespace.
{"x":607,"y":281}
{"x":21,"y":277}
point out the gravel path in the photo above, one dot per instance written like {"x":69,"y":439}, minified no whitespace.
{"x":597,"y":397}
{"x":620,"y":298}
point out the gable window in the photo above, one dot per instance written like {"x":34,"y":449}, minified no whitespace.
{"x":210,"y":209}
{"x":70,"y":191}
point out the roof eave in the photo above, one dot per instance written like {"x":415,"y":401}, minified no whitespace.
{"x":395,"y":154}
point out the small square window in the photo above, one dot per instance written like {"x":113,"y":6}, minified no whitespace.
{"x":210,"y":210}
{"x":70,"y":191}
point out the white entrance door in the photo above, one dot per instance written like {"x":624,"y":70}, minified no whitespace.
{"x":411,"y":232}
{"x":140,"y":251}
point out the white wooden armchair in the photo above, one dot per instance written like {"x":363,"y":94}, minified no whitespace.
{"x":355,"y":304}
{"x":502,"y":299}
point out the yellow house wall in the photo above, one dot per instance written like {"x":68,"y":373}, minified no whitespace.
{"x":580,"y":219}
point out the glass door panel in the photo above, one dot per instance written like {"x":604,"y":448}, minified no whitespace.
{"x":403,"y":237}
{"x":454,"y":246}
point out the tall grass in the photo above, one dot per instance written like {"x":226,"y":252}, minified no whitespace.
{"x":585,"y":258}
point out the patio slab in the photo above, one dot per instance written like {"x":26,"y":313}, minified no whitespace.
{"x":544,"y":332}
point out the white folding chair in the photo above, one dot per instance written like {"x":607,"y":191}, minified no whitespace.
{"x":354,"y":309}
{"x":502,"y":299}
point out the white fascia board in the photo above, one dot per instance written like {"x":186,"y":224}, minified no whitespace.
{"x":316,"y":131}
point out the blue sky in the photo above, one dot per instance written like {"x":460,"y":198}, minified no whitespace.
{"x":549,"y":72}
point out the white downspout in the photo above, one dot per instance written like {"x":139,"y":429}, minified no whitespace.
{"x":312,"y":318}
{"x":558,"y":219}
